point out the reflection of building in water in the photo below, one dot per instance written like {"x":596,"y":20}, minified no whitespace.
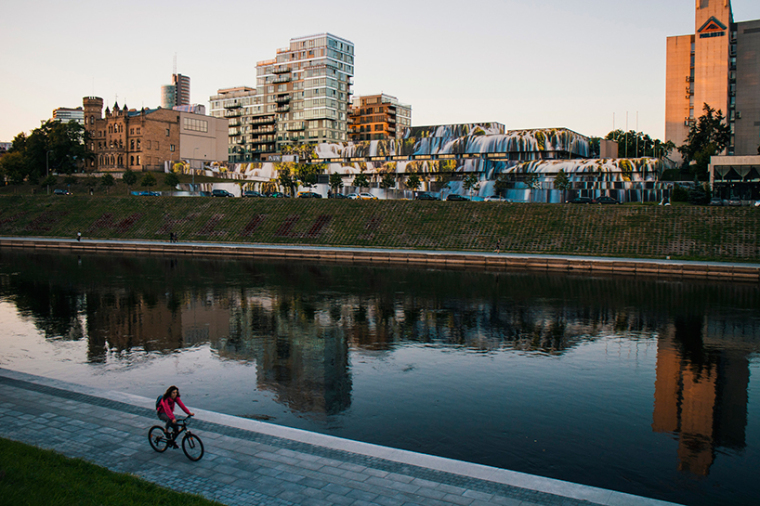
{"x":701,"y":391}
{"x":128,"y":320}
{"x":299,"y":358}
{"x":205,"y":320}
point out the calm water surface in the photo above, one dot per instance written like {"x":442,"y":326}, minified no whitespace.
{"x":641,"y":386}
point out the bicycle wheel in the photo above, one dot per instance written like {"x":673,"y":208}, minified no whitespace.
{"x":192,"y":446}
{"x":157,"y":438}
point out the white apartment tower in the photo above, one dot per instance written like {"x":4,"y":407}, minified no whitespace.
{"x":301,"y":96}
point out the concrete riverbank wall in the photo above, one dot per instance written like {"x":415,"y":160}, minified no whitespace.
{"x":493,"y":261}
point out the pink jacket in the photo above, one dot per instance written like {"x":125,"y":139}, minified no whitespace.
{"x":167,"y":406}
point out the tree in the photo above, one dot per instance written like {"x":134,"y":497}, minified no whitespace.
{"x":148,"y":180}
{"x":51,"y":180}
{"x":13,"y":167}
{"x":171,"y":180}
{"x":107,"y":180}
{"x":388,"y":181}
{"x":708,"y":136}
{"x":471,"y":183}
{"x":360,"y":180}
{"x":413,"y":182}
{"x":561,"y":181}
{"x":503,"y":182}
{"x":285,"y":179}
{"x":531,"y":180}
{"x":129,"y":178}
{"x":336,"y":182}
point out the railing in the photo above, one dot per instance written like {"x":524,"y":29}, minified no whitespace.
{"x":282,"y":99}
{"x":284,"y":108}
{"x":281,"y":79}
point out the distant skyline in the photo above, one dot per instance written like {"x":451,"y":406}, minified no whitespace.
{"x":556,"y":63}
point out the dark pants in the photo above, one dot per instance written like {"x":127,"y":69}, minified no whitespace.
{"x":169,"y":425}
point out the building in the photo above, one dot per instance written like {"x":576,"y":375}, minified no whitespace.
{"x":146,"y":139}
{"x":301,"y":96}
{"x":64,"y":115}
{"x":177,"y":93}
{"x":718,"y":65}
{"x":376,"y":117}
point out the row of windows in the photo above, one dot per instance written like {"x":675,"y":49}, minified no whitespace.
{"x":195,"y":125}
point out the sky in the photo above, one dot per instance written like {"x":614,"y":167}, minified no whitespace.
{"x":585,"y":65}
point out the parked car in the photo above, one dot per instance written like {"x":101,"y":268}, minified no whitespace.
{"x":367,"y":196}
{"x":496,"y":198}
{"x":604,"y":199}
{"x":581,"y":200}
{"x":336,"y":195}
{"x":734,"y":202}
{"x":58,"y":191}
{"x":148,"y":194}
{"x":279,"y":195}
{"x":352,"y":196}
{"x":716,"y":202}
{"x":426,"y":196}
{"x":455,"y":197}
{"x":221,"y":193}
{"x":757,"y":204}
{"x":309,"y":195}
{"x":252,"y":194}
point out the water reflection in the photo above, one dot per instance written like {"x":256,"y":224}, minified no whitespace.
{"x":307,"y":328}
{"x":701,"y":388}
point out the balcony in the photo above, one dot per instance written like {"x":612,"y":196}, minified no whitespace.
{"x":283,"y":69}
{"x":283,"y":108}
{"x":282,"y":99}
{"x":269,"y":130}
{"x":267,"y":120}
{"x":234,"y":123}
{"x":233,"y":106}
{"x":294,"y":127}
{"x":281,"y":79}
{"x":233,"y":113}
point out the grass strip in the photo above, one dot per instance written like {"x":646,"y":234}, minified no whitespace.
{"x":33,"y":476}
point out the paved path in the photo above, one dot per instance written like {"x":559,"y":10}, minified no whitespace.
{"x":254,"y":463}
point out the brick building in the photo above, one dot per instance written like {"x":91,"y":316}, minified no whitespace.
{"x":378,"y":117}
{"x":144,"y":140}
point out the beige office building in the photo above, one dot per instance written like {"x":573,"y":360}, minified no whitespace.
{"x":718,"y":65}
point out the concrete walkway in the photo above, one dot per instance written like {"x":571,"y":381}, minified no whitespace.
{"x":254,"y":463}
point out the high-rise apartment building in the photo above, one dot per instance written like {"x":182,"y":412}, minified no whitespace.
{"x":377,"y":117}
{"x":177,"y":93}
{"x":718,"y":65}
{"x":301,"y":96}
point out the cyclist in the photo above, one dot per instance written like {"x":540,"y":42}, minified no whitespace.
{"x":165,"y":412}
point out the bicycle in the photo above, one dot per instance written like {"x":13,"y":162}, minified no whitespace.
{"x":192,"y":445}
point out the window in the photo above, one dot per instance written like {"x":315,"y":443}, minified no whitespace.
{"x":167,"y":132}
{"x":131,"y":160}
{"x":132,"y":144}
{"x":171,"y":147}
{"x":138,"y":144}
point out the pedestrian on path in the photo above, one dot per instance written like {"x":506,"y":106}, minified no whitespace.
{"x":79,"y":236}
{"x":498,"y":246}
{"x":165,"y":410}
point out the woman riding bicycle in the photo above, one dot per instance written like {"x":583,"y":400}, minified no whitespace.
{"x":165,"y":411}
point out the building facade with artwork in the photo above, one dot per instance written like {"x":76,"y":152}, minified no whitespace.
{"x":301,"y":96}
{"x":718,"y":65}
{"x":146,"y":139}
{"x":376,"y":117}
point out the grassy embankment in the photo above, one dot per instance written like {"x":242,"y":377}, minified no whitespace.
{"x":641,"y":231}
{"x":29,"y":475}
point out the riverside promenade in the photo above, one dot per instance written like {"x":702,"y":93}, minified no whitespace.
{"x":248,"y":462}
{"x":501,"y":261}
